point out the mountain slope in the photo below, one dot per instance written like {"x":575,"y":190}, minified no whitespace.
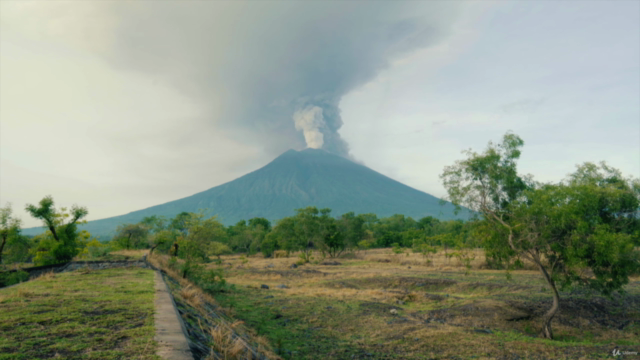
{"x":295,"y":180}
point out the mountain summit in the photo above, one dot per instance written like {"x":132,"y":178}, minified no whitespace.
{"x":293,"y":180}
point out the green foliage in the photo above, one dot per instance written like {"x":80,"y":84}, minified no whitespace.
{"x":364,"y":244}
{"x":218,"y":249}
{"x":14,"y":277}
{"x":584,"y":223}
{"x":65,"y":234}
{"x":42,"y":252}
{"x":396,"y":248}
{"x":333,"y":241}
{"x":422,"y":247}
{"x":210,"y":280}
{"x":9,"y":228}
{"x":163,"y":239}
{"x":132,"y":236}
{"x":96,"y":249}
{"x":269,"y":244}
{"x":17,"y":249}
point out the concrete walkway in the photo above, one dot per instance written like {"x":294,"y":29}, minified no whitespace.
{"x":172,"y":342}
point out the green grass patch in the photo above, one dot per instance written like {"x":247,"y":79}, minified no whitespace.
{"x":106,"y":314}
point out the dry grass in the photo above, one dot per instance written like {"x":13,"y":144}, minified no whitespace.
{"x":226,"y":333}
{"x":193,"y":296}
{"x":132,"y":253}
{"x":344,"y":310}
{"x":46,"y":276}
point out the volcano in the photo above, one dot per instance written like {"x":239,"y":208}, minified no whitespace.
{"x":296,"y":179}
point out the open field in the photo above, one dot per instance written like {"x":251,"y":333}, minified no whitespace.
{"x":106,"y":314}
{"x":346,"y":310}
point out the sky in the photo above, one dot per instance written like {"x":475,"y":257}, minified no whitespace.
{"x":118,"y":106}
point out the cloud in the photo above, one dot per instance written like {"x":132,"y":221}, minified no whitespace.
{"x":252,"y":65}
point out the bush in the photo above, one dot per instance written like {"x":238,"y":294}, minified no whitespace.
{"x":97,"y":249}
{"x":11,"y":278}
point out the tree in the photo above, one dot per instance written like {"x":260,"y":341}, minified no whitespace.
{"x":9,"y":227}
{"x":65,"y":234}
{"x":180,"y":222}
{"x":333,"y":239}
{"x":162,"y":240}
{"x":154,"y":223}
{"x":218,"y":249}
{"x":308,"y":229}
{"x":564,"y":229}
{"x":353,"y":229}
{"x":130,"y":236}
{"x":284,"y":235}
{"x":258,"y":221}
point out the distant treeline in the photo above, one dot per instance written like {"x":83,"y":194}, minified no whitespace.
{"x":310,"y":229}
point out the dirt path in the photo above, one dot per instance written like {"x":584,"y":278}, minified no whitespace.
{"x":172,"y":343}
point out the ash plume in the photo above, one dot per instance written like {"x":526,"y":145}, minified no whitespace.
{"x":310,"y":121}
{"x":252,"y":66}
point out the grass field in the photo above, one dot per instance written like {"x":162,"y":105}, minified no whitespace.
{"x":381,"y":305}
{"x":106,"y":314}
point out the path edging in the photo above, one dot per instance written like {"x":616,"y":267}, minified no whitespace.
{"x":170,"y":335}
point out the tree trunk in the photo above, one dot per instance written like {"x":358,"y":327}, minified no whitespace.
{"x":54,"y":233}
{"x":175,"y":250}
{"x":4,"y":241}
{"x":152,"y":248}
{"x":546,"y":331}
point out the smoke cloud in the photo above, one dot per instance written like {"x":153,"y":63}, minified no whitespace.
{"x":310,"y":121}
{"x":252,"y":66}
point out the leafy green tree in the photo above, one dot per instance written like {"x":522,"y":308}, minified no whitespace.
{"x":9,"y":228}
{"x":561,"y":228}
{"x":262,"y":222}
{"x":285,"y":234}
{"x":308,"y":229}
{"x":155,"y":223}
{"x":428,"y":224}
{"x":270,"y":244}
{"x":181,"y":222}
{"x":333,"y":241}
{"x":132,"y":236}
{"x":62,"y":225}
{"x":352,"y":228}
{"x":162,"y":240}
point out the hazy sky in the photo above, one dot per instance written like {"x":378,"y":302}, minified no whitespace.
{"x":119,"y":106}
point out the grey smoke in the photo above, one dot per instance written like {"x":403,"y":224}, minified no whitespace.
{"x":253,"y":65}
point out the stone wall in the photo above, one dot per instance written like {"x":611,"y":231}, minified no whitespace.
{"x":101,"y":265}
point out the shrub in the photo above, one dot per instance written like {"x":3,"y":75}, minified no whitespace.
{"x":11,"y":278}
{"x":97,"y":249}
{"x":397,"y":249}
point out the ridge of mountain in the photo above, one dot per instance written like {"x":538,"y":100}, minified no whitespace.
{"x":293,"y":180}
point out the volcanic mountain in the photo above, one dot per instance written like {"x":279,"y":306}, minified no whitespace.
{"x":294,"y":180}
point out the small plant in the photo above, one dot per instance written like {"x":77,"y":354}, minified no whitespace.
{"x":427,"y":251}
{"x":395,"y":247}
{"x":465,"y":256}
{"x":305,"y":257}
